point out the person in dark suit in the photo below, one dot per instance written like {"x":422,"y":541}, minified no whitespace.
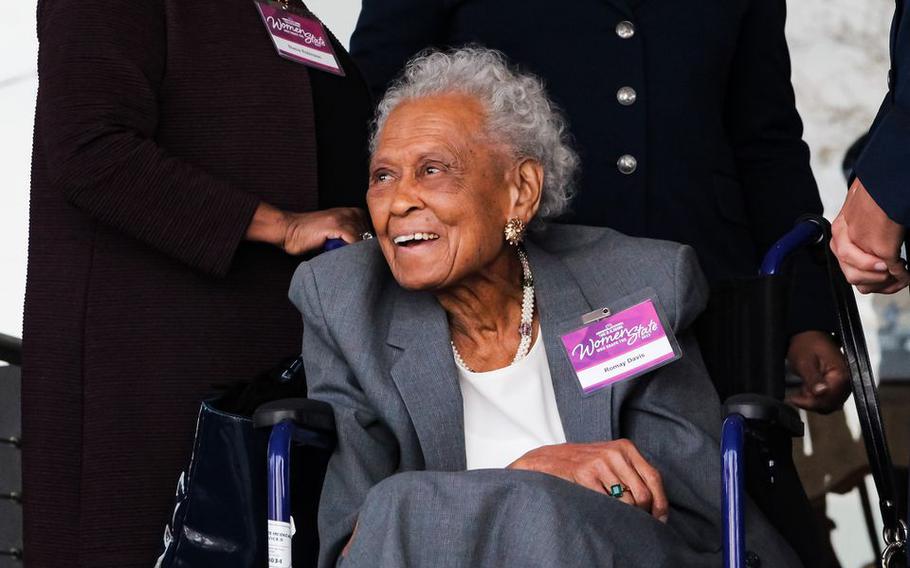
{"x":871,"y":226}
{"x":170,"y":137}
{"x":684,"y":117}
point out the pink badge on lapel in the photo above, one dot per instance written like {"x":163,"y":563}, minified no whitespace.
{"x":615,"y":347}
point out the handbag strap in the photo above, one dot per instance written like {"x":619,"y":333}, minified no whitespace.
{"x":865,"y":395}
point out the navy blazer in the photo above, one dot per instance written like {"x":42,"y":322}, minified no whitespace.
{"x":884,"y":165}
{"x":712,"y":124}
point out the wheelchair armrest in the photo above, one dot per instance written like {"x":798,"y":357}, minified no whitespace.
{"x":308,"y":414}
{"x":760,"y":408}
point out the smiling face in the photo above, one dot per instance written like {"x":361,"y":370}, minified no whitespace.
{"x":441,"y":191}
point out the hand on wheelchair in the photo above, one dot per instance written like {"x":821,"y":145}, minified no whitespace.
{"x":600,"y":465}
{"x":817,"y":359}
{"x":867,"y":244}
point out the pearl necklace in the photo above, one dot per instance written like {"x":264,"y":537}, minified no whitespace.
{"x":525,"y":329}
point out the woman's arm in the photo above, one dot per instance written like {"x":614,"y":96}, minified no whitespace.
{"x":884,"y":165}
{"x":367,"y":451}
{"x":101,"y":65}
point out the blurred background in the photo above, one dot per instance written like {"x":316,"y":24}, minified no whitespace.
{"x":839,"y":50}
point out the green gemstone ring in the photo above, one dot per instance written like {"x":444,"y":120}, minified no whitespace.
{"x":616,"y":490}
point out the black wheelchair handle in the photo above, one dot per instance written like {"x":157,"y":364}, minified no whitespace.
{"x":865,"y":392}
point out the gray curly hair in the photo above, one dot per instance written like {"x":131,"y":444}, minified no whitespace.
{"x":519,"y":113}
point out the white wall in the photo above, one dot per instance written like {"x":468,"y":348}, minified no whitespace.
{"x":18,"y":84}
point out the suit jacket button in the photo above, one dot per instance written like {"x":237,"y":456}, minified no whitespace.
{"x":627,"y":164}
{"x":626,"y":96}
{"x":752,"y":560}
{"x":625,"y":29}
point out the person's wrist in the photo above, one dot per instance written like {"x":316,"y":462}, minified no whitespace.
{"x":269,"y":225}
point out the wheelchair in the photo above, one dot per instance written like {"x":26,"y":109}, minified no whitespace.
{"x":759,"y":415}
{"x":744,"y":345}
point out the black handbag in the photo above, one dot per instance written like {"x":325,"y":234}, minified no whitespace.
{"x":219,"y":518}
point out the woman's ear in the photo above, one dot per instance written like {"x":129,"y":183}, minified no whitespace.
{"x":528,"y":181}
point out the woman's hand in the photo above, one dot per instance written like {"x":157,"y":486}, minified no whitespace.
{"x":300,"y":233}
{"x":816,"y":358}
{"x":599,"y":465}
{"x":306,"y":232}
{"x":867,"y":244}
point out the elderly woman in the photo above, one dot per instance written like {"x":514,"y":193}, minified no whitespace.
{"x":469,"y":433}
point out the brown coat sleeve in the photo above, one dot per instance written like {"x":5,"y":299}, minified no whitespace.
{"x":101,"y":66}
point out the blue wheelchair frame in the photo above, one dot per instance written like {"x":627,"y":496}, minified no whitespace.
{"x":285,"y":430}
{"x":734,"y":428}
{"x":815,"y":230}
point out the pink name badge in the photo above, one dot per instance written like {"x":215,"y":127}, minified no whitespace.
{"x":299,"y":38}
{"x":620,"y":346}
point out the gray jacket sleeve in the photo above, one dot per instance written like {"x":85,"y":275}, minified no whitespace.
{"x":367,"y":451}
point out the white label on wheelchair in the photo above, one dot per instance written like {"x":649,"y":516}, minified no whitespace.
{"x":280,"y":543}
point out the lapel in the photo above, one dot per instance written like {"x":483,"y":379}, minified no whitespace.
{"x":561,"y":302}
{"x":427,"y":379}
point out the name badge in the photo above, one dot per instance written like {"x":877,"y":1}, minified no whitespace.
{"x":614,"y":347}
{"x":299,"y":38}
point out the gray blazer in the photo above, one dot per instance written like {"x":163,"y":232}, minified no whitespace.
{"x":381,"y":356}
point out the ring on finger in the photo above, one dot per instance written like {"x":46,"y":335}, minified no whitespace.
{"x":618,"y":490}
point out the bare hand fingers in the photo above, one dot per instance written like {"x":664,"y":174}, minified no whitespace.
{"x":349,"y":235}
{"x":874,"y":280}
{"x":890,"y":286}
{"x":615,"y":468}
{"x":836,"y":394}
{"x":849,"y":254}
{"x":590,"y":480}
{"x":895,"y":287}
{"x":811,"y":396}
{"x":804,"y":400}
{"x":898,"y":271}
{"x":308,"y":232}
{"x":660,"y":505}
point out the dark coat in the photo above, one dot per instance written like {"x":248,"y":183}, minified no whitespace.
{"x":160,"y":126}
{"x":714,"y":128}
{"x":884,"y":165}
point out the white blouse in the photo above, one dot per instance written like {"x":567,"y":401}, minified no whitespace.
{"x":509,"y":411}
